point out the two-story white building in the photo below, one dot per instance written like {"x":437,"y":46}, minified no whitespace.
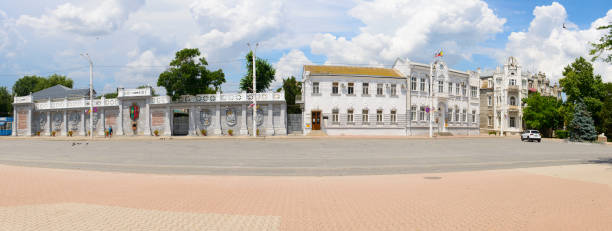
{"x":347,"y":100}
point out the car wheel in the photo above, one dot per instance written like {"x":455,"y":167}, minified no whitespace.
{"x":539,"y":141}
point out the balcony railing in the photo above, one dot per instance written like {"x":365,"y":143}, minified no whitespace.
{"x":81,"y":103}
{"x":161,"y":100}
{"x":233,"y":97}
{"x":513,"y":88}
{"x":22,"y":99}
{"x":134,"y":92}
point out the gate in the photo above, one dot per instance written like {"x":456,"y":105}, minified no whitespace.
{"x":180,"y":124}
{"x":294,"y":123}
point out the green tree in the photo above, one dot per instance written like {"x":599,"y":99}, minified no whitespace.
{"x":265,"y":74}
{"x":543,"y":113}
{"x":604,"y":47}
{"x":186,"y":76}
{"x":6,"y":102}
{"x":580,"y":84}
{"x":33,"y":83}
{"x":606,"y":112}
{"x":152,"y":89}
{"x":292,"y":89}
{"x":582,"y":128}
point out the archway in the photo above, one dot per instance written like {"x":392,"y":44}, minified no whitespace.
{"x":180,"y":122}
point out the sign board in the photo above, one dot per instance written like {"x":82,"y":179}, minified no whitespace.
{"x":307,"y":125}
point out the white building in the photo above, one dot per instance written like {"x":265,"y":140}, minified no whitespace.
{"x":502,"y":94}
{"x":345,"y":100}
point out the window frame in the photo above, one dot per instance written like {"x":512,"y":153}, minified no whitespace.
{"x":393,"y":116}
{"x":393,"y":89}
{"x":349,"y":116}
{"x":413,"y":83}
{"x":365,"y":88}
{"x":379,"y":116}
{"x":315,"y":88}
{"x":364,"y":116}
{"x":335,"y":88}
{"x":350,"y":89}
{"x":380,"y":89}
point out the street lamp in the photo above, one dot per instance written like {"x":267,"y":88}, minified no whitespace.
{"x":254,"y":90}
{"x":90,"y":94}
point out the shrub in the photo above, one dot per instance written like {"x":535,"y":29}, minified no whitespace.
{"x":492,"y":133}
{"x":53,"y":133}
{"x":69,"y":133}
{"x":562,"y":134}
{"x":230,"y":132}
{"x":203,"y":131}
{"x":37,"y":133}
{"x":257,"y":132}
{"x":156,"y":132}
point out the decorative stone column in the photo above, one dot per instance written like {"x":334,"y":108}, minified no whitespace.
{"x":282,"y":127}
{"x":30,"y":108}
{"x":119,"y":119}
{"x":168,"y":122}
{"x":49,"y":125}
{"x":243,"y":120}
{"x":270,"y":120}
{"x":102,"y":127}
{"x":83,"y":120}
{"x":65,"y":130}
{"x":147,"y":128}
{"x":218,"y":119}
{"x":15,"y":120}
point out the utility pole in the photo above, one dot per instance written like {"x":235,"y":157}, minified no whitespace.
{"x":90,"y":94}
{"x":431,"y":89}
{"x":254,"y":90}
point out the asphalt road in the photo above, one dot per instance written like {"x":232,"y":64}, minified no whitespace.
{"x":312,"y":157}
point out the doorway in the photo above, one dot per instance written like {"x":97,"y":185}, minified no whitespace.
{"x":316,"y":120}
{"x":180,"y":122}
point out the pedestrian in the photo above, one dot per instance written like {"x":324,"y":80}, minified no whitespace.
{"x":110,"y":131}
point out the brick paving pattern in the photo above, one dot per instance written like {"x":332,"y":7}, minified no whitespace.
{"x":54,"y":199}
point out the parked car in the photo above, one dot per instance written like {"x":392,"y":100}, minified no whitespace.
{"x":531,"y":135}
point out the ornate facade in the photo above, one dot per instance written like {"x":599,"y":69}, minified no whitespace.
{"x":138,"y":112}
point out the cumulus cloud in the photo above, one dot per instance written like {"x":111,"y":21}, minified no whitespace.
{"x":103,"y":18}
{"x":546,"y":46}
{"x":290,"y":64}
{"x":143,"y":69}
{"x":411,"y":28}
{"x":10,"y":38}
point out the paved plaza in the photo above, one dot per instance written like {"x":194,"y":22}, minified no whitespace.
{"x":298,"y":156}
{"x":363,"y":184}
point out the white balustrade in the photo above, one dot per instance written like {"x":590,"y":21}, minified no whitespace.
{"x":80,"y":103}
{"x":160,"y":100}
{"x":23,"y":99}
{"x":134,"y":92}
{"x":233,"y":97}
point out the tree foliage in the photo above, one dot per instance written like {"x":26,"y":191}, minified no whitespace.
{"x":604,"y":47}
{"x":543,"y":113}
{"x":606,"y":112}
{"x":582,"y":128}
{"x":292,"y":88}
{"x":580,"y":84}
{"x":265,"y":74}
{"x":188,"y":75}
{"x":28,"y":84}
{"x":6,"y":102}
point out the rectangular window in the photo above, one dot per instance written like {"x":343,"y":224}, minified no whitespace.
{"x":490,"y":121}
{"x":351,"y":88}
{"x":413,"y":83}
{"x":457,"y":115}
{"x":464,"y":115}
{"x":490,"y":83}
{"x":365,"y":89}
{"x":422,"y":113}
{"x":349,"y":116}
{"x":335,"y":116}
{"x":457,"y":89}
{"x":364,"y":116}
{"x":440,"y":86}
{"x":450,"y":88}
{"x":413,"y":111}
{"x":315,"y":88}
{"x":450,"y":115}
{"x":335,"y":88}
{"x":393,"y":89}
{"x":464,"y":90}
{"x":422,"y":84}
{"x":512,"y":122}
{"x":393,"y":116}
{"x":512,"y":82}
{"x":473,"y":116}
{"x":490,"y":102}
{"x":474,"y":91}
{"x":379,"y":116}
{"x":379,"y":89}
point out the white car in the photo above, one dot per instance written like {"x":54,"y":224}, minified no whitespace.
{"x":531,"y":135}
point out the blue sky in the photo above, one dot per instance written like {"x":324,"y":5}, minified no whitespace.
{"x":132,"y":41}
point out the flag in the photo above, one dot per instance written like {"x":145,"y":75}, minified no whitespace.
{"x":439,"y":54}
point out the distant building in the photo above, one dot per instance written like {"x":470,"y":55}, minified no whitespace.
{"x":501,"y":97}
{"x":348,"y":100}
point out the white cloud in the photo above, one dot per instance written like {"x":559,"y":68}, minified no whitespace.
{"x":546,"y":46}
{"x":102,"y":18}
{"x":142,"y":70}
{"x":10,"y":38}
{"x":413,"y":28}
{"x":290,"y":64}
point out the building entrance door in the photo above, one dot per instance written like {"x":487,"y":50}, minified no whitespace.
{"x":180,"y":123}
{"x":316,"y":120}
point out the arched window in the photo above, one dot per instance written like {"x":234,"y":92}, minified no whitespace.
{"x":512,"y":101}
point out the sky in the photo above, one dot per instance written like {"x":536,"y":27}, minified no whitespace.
{"x":132,"y":41}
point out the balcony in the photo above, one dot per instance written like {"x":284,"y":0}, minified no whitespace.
{"x":513,"y":108}
{"x":513,"y":88}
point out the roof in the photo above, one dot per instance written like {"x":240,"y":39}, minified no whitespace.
{"x":59,"y":91}
{"x":350,"y":70}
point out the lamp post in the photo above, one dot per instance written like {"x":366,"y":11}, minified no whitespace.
{"x":90,"y":94}
{"x":254,"y":90}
